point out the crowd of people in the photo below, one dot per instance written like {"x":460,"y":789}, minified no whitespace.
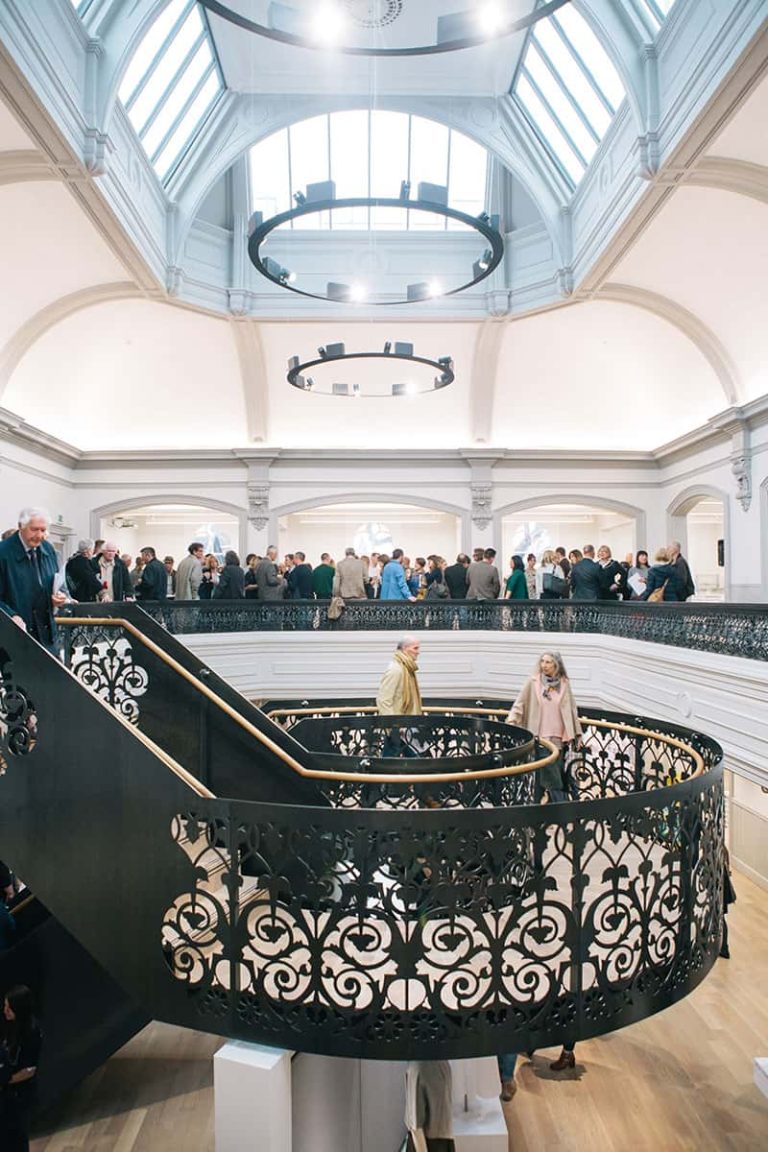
{"x":96,"y":572}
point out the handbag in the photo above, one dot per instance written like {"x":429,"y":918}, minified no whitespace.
{"x":658,"y":593}
{"x":555,"y":584}
{"x":437,"y":591}
{"x":336,"y":607}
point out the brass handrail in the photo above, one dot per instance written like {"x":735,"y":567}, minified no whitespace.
{"x":267,"y":742}
{"x":352,"y":777}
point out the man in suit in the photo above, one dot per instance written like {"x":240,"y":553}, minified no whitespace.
{"x":585,"y":576}
{"x":484,"y":582}
{"x":82,"y":580}
{"x":114,"y":578}
{"x":563,"y":561}
{"x":153,"y":584}
{"x":350,"y":578}
{"x":455,"y":576}
{"x":299,"y":578}
{"x":28,"y":567}
{"x":682,"y":571}
{"x":269,"y":582}
{"x":190,"y":573}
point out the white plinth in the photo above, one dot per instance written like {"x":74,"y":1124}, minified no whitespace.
{"x":761,"y":1074}
{"x":252,"y":1094}
{"x":482,"y":1129}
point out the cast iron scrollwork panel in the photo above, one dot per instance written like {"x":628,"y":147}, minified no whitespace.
{"x":104,"y":659}
{"x":455,"y":932}
{"x":18,"y":718}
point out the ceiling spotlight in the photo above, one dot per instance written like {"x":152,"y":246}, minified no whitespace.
{"x":399,"y":389}
{"x":286,"y":276}
{"x":435,"y":288}
{"x":445,"y":361}
{"x":482,"y":265}
{"x":483,"y":217}
{"x":329,"y":24}
{"x":310,"y":383}
{"x":340,"y":389}
{"x":300,"y":198}
{"x":405,"y":189}
{"x":358,"y":293}
{"x":334,"y":291}
{"x":402,"y":348}
{"x":387,"y":347}
{"x":322,"y":353}
{"x":256,"y":221}
{"x":356,"y":391}
{"x":332,"y":350}
{"x":443,"y":380}
{"x":491,"y":18}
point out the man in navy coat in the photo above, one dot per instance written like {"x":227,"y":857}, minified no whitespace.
{"x":28,"y":567}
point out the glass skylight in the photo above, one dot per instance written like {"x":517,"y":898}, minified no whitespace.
{"x":656,"y":11}
{"x":568,"y":88}
{"x":171,"y":84}
{"x":368,"y":154}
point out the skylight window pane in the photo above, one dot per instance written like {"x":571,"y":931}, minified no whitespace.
{"x":188,"y":126}
{"x":548,"y":129}
{"x":592,"y":53}
{"x":309,"y":162}
{"x":177,"y":98}
{"x":389,"y":165}
{"x":349,"y":165}
{"x":163,"y":75}
{"x":270,"y":189}
{"x":558,"y":103}
{"x":429,"y":163}
{"x":466,"y":177}
{"x":572,"y":76}
{"x":150,"y":46}
{"x":652,"y":14}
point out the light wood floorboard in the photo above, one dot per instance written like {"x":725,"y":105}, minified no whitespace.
{"x":679,"y":1082}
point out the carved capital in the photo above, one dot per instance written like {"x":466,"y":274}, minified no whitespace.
{"x":741,"y":466}
{"x":481,"y":505}
{"x":258,"y":505}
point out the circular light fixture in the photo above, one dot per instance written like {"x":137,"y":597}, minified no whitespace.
{"x":321,"y":375}
{"x":354,"y":292}
{"x":455,"y":31}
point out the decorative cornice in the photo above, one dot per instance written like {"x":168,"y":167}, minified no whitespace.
{"x":15,"y":430}
{"x":24,"y":166}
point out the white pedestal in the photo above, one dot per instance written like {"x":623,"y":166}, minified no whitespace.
{"x":252,"y":1095}
{"x":761,"y":1074}
{"x":482,"y":1128}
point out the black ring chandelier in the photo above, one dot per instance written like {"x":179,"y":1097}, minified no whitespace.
{"x":460,"y":30}
{"x":333,"y":354}
{"x":259,"y":229}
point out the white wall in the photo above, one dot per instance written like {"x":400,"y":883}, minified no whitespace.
{"x":417,"y":531}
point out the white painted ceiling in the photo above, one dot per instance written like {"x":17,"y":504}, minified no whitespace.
{"x":135,"y":373}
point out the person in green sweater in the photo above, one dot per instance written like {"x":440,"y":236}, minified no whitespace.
{"x":322,"y":578}
{"x":516,"y":587}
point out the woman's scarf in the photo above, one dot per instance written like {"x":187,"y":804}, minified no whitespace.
{"x":411,"y":693}
{"x":549,"y":684}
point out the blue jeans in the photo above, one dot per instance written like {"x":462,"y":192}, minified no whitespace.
{"x":507,"y":1063}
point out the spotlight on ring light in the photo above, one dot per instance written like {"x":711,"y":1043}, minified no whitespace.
{"x":328,"y":24}
{"x":373,"y":385}
{"x":491,"y":18}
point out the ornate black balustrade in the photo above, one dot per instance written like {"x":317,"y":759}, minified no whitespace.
{"x":728,"y":629}
{"x":400,"y":932}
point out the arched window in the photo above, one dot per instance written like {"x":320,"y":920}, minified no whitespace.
{"x":368,"y":154}
{"x":568,"y":88}
{"x":171,"y":84}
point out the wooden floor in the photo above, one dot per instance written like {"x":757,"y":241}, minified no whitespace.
{"x":680,"y":1082}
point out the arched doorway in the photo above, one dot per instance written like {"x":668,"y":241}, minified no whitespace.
{"x":537,"y":527}
{"x":369,"y":526}
{"x":699,"y":520}
{"x":169,"y":528}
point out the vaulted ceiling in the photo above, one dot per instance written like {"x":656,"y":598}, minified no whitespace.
{"x":665,"y":331}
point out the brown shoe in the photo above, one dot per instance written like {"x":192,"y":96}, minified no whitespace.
{"x":508,"y":1089}
{"x":565,"y":1060}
